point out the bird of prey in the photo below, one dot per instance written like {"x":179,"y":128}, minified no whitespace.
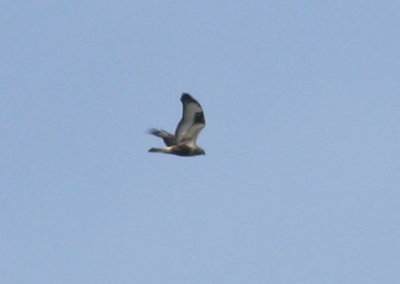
{"x":183,"y":143}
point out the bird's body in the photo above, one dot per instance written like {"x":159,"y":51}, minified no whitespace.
{"x":183,"y":143}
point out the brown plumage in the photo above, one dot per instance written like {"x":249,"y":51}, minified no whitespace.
{"x":183,"y":143}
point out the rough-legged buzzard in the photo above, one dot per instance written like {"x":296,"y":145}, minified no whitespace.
{"x":183,"y":143}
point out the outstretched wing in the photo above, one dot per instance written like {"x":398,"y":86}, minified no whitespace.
{"x":169,"y":139}
{"x":192,"y":121}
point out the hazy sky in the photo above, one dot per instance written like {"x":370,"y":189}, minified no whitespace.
{"x":301,"y":181}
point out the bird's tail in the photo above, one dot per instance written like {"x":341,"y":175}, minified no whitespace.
{"x":157,"y":150}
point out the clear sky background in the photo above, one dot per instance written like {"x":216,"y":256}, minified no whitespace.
{"x":301,"y":181}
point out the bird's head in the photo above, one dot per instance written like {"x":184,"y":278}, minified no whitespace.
{"x":199,"y":151}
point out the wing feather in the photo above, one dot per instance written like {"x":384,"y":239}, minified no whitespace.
{"x":192,"y":121}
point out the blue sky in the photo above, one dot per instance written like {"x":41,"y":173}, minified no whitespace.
{"x":301,"y":180}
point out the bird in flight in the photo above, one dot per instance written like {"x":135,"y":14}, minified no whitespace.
{"x":183,"y":143}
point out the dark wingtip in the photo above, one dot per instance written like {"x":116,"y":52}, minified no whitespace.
{"x":187,"y":97}
{"x":152,"y":131}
